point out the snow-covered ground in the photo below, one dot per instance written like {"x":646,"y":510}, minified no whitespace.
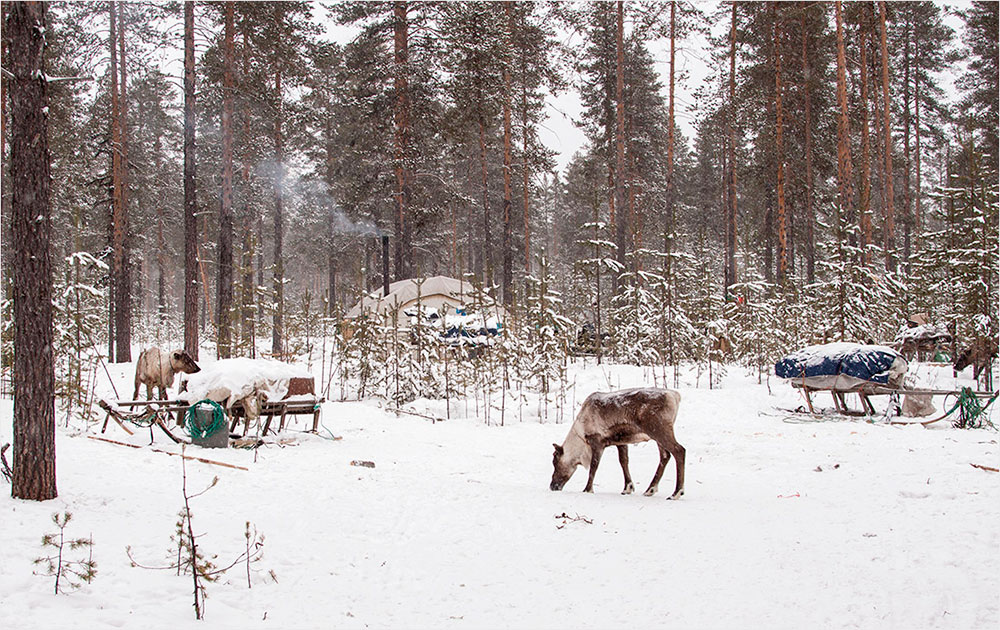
{"x":787,"y":522}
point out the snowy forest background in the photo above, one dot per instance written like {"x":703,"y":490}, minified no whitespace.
{"x":833,"y":185}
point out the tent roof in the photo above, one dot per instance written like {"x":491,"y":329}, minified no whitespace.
{"x":404,"y":291}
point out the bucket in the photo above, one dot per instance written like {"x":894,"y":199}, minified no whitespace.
{"x":207,"y":425}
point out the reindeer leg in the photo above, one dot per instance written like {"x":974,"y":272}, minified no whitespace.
{"x":679,"y":455}
{"x":654,"y":485}
{"x":623,"y":460}
{"x":668,"y":446}
{"x":595,"y":459}
{"x":163,"y":396}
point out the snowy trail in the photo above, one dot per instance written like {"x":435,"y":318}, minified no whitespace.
{"x":455,"y":527}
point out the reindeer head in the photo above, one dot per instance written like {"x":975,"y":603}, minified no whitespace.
{"x":565,"y":459}
{"x":964,"y":360}
{"x":181,"y":361}
{"x":562,"y":469}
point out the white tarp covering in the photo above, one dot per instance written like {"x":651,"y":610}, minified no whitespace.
{"x":230,"y":381}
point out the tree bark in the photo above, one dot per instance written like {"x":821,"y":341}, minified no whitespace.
{"x":401,"y":115}
{"x":731,"y":133}
{"x":525,"y":170}
{"x":190,"y":203}
{"x":123,"y":263}
{"x":866,"y":169}
{"x":810,"y":210}
{"x":34,"y":465}
{"x":277,"y":328}
{"x":779,"y":151}
{"x":890,"y":219}
{"x":248,"y":331}
{"x":845,"y":187}
{"x":487,"y":256}
{"x":917,"y":211}
{"x":331,"y":178}
{"x":669,"y":220}
{"x":621,"y":219}
{"x":224,"y":293}
{"x":508,"y":254}
{"x":161,"y":248}
{"x":114,"y":225}
{"x":907,"y":196}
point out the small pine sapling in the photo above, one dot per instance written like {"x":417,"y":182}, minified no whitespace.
{"x":254,"y":550}
{"x":62,"y":568}
{"x":191,"y":558}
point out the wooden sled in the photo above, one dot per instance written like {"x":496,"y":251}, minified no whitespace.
{"x":151,"y":417}
{"x":866,"y":391}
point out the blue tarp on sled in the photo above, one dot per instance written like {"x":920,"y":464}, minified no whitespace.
{"x":875,"y":364}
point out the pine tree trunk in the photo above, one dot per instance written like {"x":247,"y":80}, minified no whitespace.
{"x":123,"y":275}
{"x":866,"y":169}
{"x":508,"y":254}
{"x":401,"y":115}
{"x":259,"y":263}
{"x":114,"y":191}
{"x":115,"y":231}
{"x":34,"y":454}
{"x":810,"y":209}
{"x":487,"y":256}
{"x":890,"y":219}
{"x":248,"y":329}
{"x":918,"y":219}
{"x":190,"y":203}
{"x":731,"y":133}
{"x":224,"y":294}
{"x":907,"y":196}
{"x":634,"y":216}
{"x":161,"y":248}
{"x":622,"y":217}
{"x":525,"y":169}
{"x":331,"y":178}
{"x":277,"y":328}
{"x":779,"y":151}
{"x":668,"y":230}
{"x":845,"y":188}
{"x":161,"y":283}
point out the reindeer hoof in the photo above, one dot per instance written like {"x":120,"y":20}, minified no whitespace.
{"x":676,"y":495}
{"x":629,"y":488}
{"x":650,"y":492}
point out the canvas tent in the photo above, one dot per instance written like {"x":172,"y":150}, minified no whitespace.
{"x":441,"y":294}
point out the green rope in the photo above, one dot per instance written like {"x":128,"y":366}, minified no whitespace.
{"x":198,"y":431}
{"x":147,"y":420}
{"x":971,"y":412}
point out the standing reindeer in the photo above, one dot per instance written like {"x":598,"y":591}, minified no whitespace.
{"x":156,"y":368}
{"x":980,"y":356}
{"x":618,"y":419}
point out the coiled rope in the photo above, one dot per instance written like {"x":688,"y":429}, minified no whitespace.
{"x":193,"y":426}
{"x":971,"y":412}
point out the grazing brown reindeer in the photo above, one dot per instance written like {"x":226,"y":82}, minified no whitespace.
{"x":979,"y":355}
{"x":618,"y":419}
{"x":156,"y":368}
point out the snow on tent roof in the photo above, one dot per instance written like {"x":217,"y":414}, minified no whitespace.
{"x":876,"y":364}
{"x":403,"y":292}
{"x":923,"y":332}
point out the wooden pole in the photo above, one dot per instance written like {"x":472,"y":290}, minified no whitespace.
{"x":156,"y":450}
